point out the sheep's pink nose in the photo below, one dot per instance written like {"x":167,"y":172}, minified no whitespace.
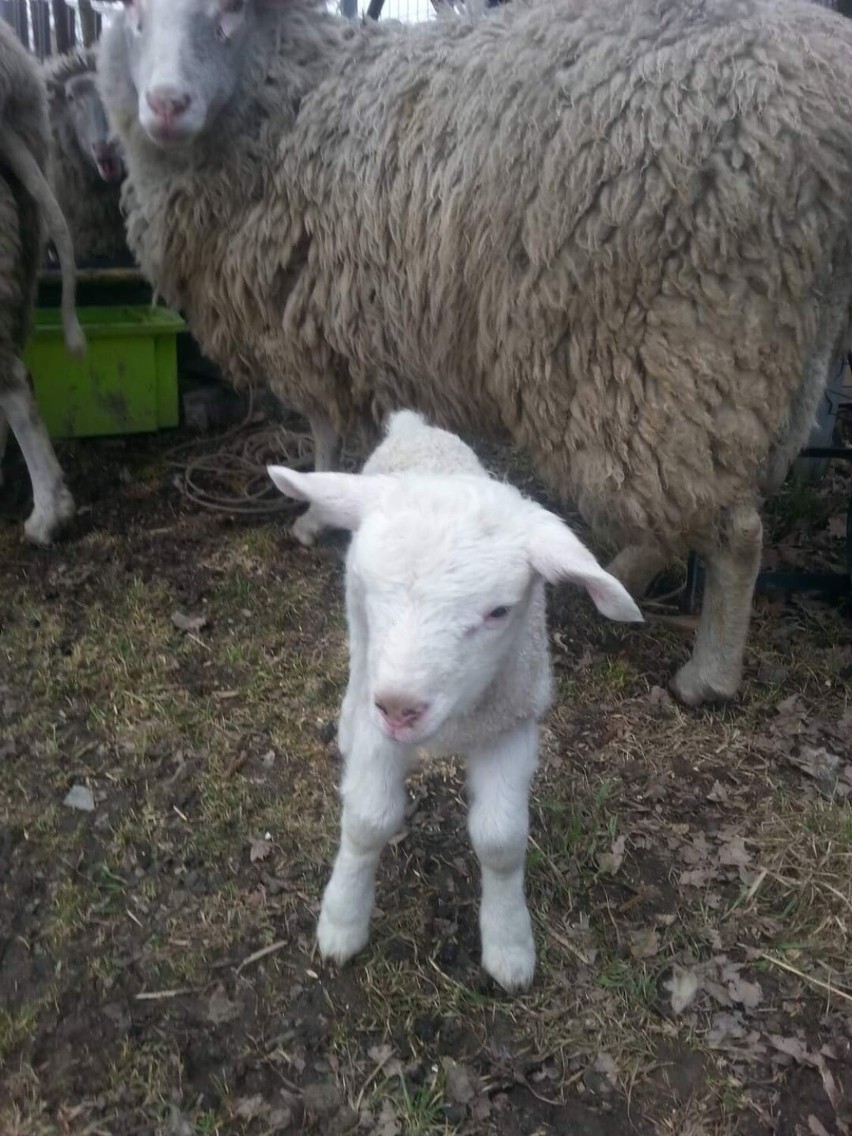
{"x":168,"y":103}
{"x":400,"y":710}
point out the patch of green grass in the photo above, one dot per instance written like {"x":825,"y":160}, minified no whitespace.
{"x":616,"y":675}
{"x":17,"y":1027}
{"x":422,"y":1112}
{"x":632,"y":980}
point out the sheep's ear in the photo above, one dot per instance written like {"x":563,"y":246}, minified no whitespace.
{"x":556,"y":554}
{"x":342,"y":499}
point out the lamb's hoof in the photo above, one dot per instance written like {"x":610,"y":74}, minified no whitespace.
{"x":305,"y":531}
{"x":693,"y":687}
{"x":339,"y":942}
{"x":43,"y":524}
{"x":511,"y":964}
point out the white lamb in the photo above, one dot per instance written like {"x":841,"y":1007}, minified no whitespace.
{"x":448,"y":647}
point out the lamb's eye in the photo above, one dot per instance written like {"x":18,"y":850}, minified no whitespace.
{"x":499,"y":612}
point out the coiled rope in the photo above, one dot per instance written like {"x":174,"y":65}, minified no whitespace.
{"x":226,"y":473}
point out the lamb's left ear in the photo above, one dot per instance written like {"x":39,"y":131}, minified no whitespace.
{"x":556,"y":554}
{"x":340,"y":499}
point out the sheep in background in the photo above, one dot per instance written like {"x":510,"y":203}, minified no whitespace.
{"x":448,"y":648}
{"x":87,"y":166}
{"x":617,"y":233}
{"x":26,"y":203}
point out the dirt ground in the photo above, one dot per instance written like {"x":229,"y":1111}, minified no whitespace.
{"x":178,"y":673}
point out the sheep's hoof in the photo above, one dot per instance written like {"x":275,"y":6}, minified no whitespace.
{"x":512,"y":965}
{"x":42,"y":524}
{"x":339,"y":942}
{"x":693,"y":687}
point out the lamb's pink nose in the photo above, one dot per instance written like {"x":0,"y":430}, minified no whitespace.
{"x":400,"y":711}
{"x":168,"y":103}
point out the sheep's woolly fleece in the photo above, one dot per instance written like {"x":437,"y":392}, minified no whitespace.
{"x":23,"y":108}
{"x":618,"y":231}
{"x":92,"y":207}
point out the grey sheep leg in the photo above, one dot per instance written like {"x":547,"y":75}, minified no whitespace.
{"x":53,"y":505}
{"x":636,"y":565}
{"x":309,"y":525}
{"x":4,"y":437}
{"x":732,"y":564}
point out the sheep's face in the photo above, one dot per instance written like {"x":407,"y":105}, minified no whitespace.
{"x":440,"y":577}
{"x":79,"y":105}
{"x":185,"y":59}
{"x":442,"y":585}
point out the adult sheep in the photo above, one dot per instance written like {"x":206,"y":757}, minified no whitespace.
{"x":26,"y":206}
{"x":87,"y":166}
{"x":617,"y":232}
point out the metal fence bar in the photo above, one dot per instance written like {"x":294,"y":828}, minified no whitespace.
{"x":14,"y":12}
{"x":63,"y":26}
{"x":40,"y":17}
{"x":90,"y":23}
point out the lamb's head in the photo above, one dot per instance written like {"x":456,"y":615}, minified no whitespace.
{"x":80,"y":119}
{"x":441,"y":574}
{"x":184,"y":59}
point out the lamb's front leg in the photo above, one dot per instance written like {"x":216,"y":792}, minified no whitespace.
{"x":373,"y":794}
{"x":499,"y":777}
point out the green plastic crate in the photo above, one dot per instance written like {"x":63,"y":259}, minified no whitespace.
{"x":127,"y":383}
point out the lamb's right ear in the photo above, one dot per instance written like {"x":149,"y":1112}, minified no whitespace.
{"x":342,"y":499}
{"x":557,"y":554}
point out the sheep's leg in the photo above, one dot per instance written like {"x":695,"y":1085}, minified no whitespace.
{"x":4,"y":437}
{"x":52,"y":503}
{"x":310,"y":524}
{"x":732,"y":563}
{"x":636,"y":565}
{"x":373,"y":794}
{"x":499,"y":777}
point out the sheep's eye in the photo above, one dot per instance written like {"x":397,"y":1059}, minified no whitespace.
{"x":499,"y":612}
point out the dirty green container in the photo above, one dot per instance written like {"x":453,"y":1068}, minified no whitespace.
{"x":127,"y":383}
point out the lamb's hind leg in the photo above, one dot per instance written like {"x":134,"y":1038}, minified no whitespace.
{"x":53,"y":505}
{"x":310,"y":524}
{"x":732,"y":561}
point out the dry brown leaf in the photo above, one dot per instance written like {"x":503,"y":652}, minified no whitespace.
{"x":734,"y":853}
{"x":611,"y":861}
{"x":260,"y":848}
{"x":220,"y":1008}
{"x":190,"y":624}
{"x":644,"y":943}
{"x":460,"y":1080}
{"x":683,"y":987}
{"x":747,"y":994}
{"x":697,"y":877}
{"x":796,"y":1049}
{"x":718,"y":794}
